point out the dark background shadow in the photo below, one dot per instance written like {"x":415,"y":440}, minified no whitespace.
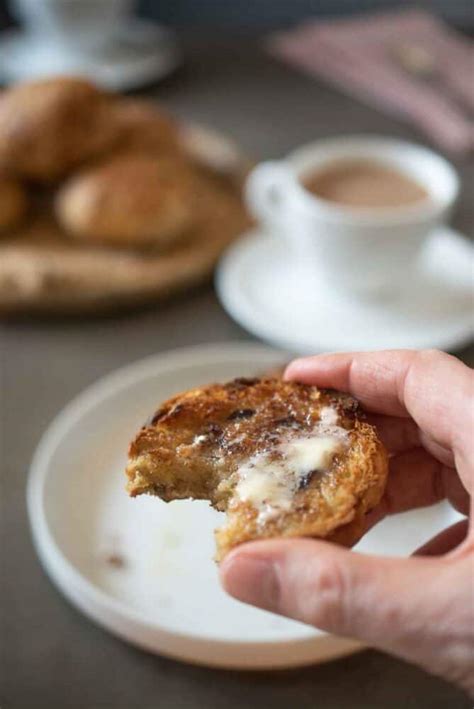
{"x":255,"y":15}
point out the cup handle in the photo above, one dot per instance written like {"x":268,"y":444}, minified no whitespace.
{"x":267,"y":191}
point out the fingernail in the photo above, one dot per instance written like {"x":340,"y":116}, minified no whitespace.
{"x":251,"y":580}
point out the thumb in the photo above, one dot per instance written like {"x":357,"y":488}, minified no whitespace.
{"x":404,"y":606}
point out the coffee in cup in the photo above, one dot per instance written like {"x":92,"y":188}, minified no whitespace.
{"x":357,"y":209}
{"x":363,"y":183}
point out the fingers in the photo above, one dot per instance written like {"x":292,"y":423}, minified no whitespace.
{"x":417,"y":479}
{"x":421,"y":472}
{"x":375,"y":378}
{"x":417,"y":608}
{"x":402,"y":434}
{"x":432,"y":387}
{"x":445,"y":541}
{"x":323,"y":585}
{"x":444,"y":455}
{"x":397,"y":434}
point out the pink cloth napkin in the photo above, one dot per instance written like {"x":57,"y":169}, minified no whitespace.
{"x":360,"y":56}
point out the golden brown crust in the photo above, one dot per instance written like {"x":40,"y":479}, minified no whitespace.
{"x":49,"y":130}
{"x":196,"y":441}
{"x":145,"y":128}
{"x":131,"y":200}
{"x":49,"y":127}
{"x":13,"y":203}
{"x":43,"y":271}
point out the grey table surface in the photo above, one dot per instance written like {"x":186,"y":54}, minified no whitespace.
{"x":51,"y":656}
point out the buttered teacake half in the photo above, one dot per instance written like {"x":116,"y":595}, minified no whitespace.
{"x":280,"y":458}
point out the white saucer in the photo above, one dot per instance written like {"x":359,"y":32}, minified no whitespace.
{"x":280,"y":300}
{"x":165,"y":596}
{"x":142,"y":53}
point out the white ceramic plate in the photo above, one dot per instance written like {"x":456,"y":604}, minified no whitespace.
{"x":280,"y":300}
{"x":144,"y":569}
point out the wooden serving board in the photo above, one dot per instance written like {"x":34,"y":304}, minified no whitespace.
{"x":42,"y":270}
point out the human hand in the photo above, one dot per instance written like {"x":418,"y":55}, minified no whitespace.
{"x":420,"y":608}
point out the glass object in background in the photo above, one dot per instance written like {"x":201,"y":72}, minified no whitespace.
{"x":100,"y":39}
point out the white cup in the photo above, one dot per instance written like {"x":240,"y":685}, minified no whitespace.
{"x":362,"y":251}
{"x":76,"y":25}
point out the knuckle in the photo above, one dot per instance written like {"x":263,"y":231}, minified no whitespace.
{"x":423,"y":365}
{"x":431,"y":355}
{"x":426,"y":360}
{"x":432,"y":358}
{"x":329,"y":596}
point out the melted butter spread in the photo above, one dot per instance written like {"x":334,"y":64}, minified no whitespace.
{"x":269,"y":480}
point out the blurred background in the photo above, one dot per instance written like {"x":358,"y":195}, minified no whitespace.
{"x":261,"y":15}
{"x":208,"y":89}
